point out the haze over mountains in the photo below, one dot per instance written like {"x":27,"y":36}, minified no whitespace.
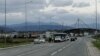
{"x":7,"y":29}
{"x":36,"y":26}
{"x":43,"y":26}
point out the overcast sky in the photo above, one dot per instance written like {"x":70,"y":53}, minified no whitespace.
{"x":60,"y":11}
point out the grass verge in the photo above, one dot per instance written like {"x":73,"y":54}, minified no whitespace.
{"x":96,"y":42}
{"x":14,"y":42}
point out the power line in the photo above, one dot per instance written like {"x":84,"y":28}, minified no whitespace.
{"x":78,"y":23}
{"x":85,"y":24}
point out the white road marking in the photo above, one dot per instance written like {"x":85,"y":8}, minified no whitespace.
{"x":64,"y":47}
{"x":53,"y":53}
{"x":60,"y":50}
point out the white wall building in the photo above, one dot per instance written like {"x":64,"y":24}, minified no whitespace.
{"x":86,"y":33}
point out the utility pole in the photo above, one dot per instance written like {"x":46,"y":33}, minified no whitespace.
{"x":96,"y":16}
{"x":25,"y":16}
{"x":78,"y":22}
{"x":62,"y":26}
{"x":39,"y":30}
{"x":78,"y":26}
{"x":39,"y":25}
{"x":51,"y":23}
{"x":26,"y":33}
{"x":5,"y":22}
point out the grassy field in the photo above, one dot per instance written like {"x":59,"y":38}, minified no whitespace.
{"x":96,"y":43}
{"x":14,"y":42}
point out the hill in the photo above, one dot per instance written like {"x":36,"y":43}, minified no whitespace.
{"x":42,"y":26}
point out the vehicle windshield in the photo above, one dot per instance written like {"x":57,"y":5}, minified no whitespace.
{"x":49,"y":27}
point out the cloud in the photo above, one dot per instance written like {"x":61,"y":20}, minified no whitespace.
{"x":60,"y":3}
{"x":19,"y":5}
{"x":81,"y":4}
{"x":59,"y":16}
{"x":58,"y":10}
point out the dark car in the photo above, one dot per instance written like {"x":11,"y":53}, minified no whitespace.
{"x":73,"y":39}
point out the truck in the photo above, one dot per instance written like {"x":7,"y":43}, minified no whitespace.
{"x":59,"y":37}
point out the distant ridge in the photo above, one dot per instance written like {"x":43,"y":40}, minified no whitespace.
{"x":3,"y":29}
{"x":38,"y":27}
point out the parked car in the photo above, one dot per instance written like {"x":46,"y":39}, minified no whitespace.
{"x":37,"y":41}
{"x":42,"y":40}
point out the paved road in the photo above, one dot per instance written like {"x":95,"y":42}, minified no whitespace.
{"x":77,"y":48}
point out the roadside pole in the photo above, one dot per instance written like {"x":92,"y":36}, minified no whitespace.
{"x":5,"y":41}
{"x":25,"y":35}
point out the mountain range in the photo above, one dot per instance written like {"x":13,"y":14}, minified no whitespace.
{"x":5,"y":29}
{"x":38,"y":26}
{"x":43,"y":26}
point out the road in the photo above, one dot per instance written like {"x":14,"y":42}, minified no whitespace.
{"x":77,"y":48}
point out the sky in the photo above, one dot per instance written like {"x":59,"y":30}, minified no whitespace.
{"x":60,"y":11}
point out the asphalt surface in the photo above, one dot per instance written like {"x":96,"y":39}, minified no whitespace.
{"x":76,"y":48}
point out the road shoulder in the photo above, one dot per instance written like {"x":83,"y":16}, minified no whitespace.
{"x":93,"y":51}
